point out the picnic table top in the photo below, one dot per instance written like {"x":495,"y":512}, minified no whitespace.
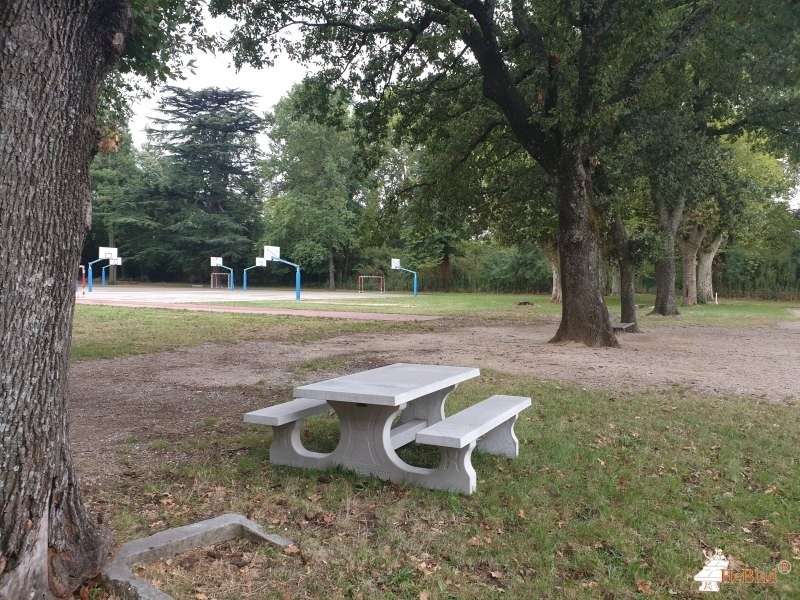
{"x":391,"y":385}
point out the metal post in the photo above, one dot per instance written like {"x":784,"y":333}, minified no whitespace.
{"x":230,"y":279}
{"x":103,"y":275}
{"x":297,"y":283}
{"x":415,"y":284}
{"x":90,"y":271}
{"x":244,"y":277}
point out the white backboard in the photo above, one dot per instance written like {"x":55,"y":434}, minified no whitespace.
{"x":104,"y":252}
{"x":261,"y":261}
{"x":115,"y":261}
{"x":395,"y":263}
{"x":271,"y":252}
{"x":216,"y":261}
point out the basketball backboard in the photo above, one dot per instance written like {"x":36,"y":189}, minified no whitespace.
{"x":395,"y":263}
{"x":261,"y":261}
{"x":114,"y":261}
{"x":216,"y":261}
{"x":104,"y":252}
{"x":271,"y":252}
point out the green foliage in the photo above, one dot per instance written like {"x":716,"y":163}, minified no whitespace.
{"x":194,"y":192}
{"x":311,"y":211}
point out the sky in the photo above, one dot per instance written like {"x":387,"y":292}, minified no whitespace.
{"x":270,"y":84}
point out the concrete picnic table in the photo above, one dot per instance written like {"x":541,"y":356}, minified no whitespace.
{"x":368,"y":404}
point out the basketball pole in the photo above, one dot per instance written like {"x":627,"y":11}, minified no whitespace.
{"x":90,"y":271}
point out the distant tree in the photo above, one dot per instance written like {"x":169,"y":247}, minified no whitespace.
{"x":313,"y":187}
{"x":210,"y":193}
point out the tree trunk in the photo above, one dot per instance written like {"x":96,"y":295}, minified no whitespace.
{"x":331,"y":270}
{"x":668,"y":221}
{"x":551,"y":251}
{"x":627,"y":273}
{"x":112,"y":243}
{"x":55,"y":54}
{"x":689,"y":244}
{"x":444,"y":272}
{"x":705,"y":292}
{"x":584,"y":316}
{"x":616,"y":282}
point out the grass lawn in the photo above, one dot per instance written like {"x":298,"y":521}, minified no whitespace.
{"x":614,"y":495}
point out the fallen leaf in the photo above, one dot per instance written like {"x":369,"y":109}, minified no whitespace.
{"x":291,"y":549}
{"x":200,"y":596}
{"x":496,"y":574}
{"x":644,"y":587}
{"x":475,"y":541}
{"x":315,"y":497}
{"x":521,"y":514}
{"x":424,"y":595}
{"x":84,"y":593}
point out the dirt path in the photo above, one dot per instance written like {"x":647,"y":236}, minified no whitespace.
{"x":166,"y":395}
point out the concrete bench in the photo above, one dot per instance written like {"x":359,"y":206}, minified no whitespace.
{"x":616,"y":325}
{"x":487,"y":425}
{"x":287,"y":421}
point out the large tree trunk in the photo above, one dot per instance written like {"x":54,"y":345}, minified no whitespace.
{"x":689,"y":243}
{"x":668,"y":221}
{"x":55,"y":53}
{"x":584,"y":316}
{"x":627,"y":273}
{"x":705,"y":260}
{"x":551,"y":251}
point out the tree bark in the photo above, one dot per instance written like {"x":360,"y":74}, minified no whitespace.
{"x":616,"y":282}
{"x":584,"y":316}
{"x":668,"y":220}
{"x":444,"y":271}
{"x":627,"y":273}
{"x":551,"y":251}
{"x":705,"y":292}
{"x":55,"y":54}
{"x":331,"y":270}
{"x":689,"y":244}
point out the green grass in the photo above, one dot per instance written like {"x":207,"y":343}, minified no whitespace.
{"x":437,"y":304}
{"x":111,"y":332}
{"x":612,"y":494}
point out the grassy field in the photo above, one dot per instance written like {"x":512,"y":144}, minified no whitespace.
{"x":614,"y":495}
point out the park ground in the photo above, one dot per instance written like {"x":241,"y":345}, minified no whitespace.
{"x":131,"y":417}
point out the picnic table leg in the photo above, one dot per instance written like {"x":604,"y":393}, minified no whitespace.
{"x":287,"y":448}
{"x":428,"y":408}
{"x":501,"y":440}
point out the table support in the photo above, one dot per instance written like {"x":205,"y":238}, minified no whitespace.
{"x":428,"y":408}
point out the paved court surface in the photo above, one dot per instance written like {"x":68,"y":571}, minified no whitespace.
{"x":202,"y":299}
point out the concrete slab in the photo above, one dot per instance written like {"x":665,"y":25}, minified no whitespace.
{"x":120,"y":579}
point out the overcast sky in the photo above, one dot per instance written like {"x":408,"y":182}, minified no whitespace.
{"x":270,"y":84}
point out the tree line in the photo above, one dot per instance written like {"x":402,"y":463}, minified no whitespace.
{"x":202,"y":187}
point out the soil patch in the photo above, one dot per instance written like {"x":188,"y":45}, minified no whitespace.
{"x":159,"y":398}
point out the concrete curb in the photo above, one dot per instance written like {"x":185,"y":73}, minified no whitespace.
{"x":121,"y":581}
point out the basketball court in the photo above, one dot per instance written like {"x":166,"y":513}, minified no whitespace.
{"x":206,"y":299}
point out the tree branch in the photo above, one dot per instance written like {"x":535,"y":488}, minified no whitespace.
{"x":639,"y":74}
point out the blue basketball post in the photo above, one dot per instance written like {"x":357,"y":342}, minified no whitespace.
{"x":103,"y":276}
{"x":90,"y":272}
{"x":396,"y":266}
{"x":296,"y":276}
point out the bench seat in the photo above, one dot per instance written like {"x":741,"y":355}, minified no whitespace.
{"x":622,"y":326}
{"x":466,"y":426}
{"x":487,"y":426}
{"x":288,"y":412}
